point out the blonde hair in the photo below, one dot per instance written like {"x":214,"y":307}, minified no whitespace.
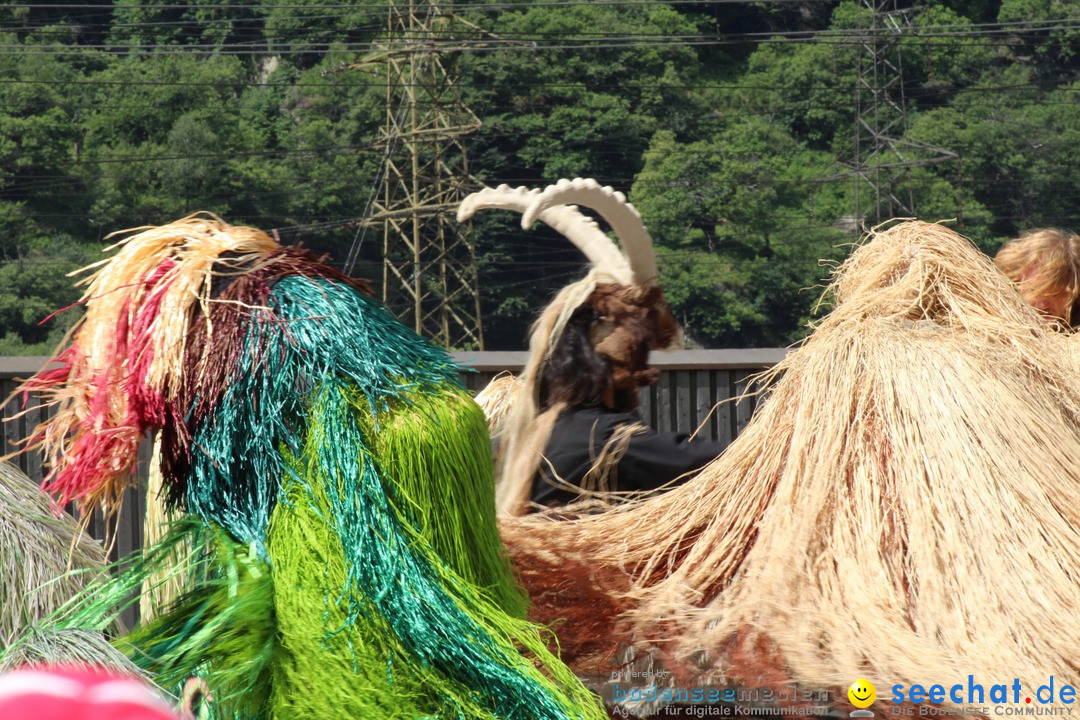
{"x":1043,"y":262}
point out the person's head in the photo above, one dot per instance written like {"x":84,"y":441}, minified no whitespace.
{"x":590,"y":346}
{"x":601,"y":358}
{"x":1045,"y":265}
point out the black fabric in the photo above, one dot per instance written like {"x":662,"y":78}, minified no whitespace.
{"x":652,"y":459}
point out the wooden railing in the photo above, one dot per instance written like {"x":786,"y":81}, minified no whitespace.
{"x":695,"y":390}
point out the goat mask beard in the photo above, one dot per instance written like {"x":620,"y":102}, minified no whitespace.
{"x":630,"y":322}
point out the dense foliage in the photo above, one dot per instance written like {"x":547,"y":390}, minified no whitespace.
{"x":734,"y":127}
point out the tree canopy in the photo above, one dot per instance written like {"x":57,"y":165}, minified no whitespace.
{"x":757,"y":139}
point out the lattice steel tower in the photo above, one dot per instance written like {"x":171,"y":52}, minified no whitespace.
{"x":882,"y":156}
{"x":429,"y":260}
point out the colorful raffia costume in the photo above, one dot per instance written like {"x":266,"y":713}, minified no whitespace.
{"x":904,"y":507}
{"x":339,"y":551}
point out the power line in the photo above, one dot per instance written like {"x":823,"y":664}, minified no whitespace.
{"x":522,"y":5}
{"x":919,"y":93}
{"x":534,"y":42}
{"x":334,"y":49}
{"x":965,"y":29}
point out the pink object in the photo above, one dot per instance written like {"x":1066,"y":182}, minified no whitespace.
{"x":68,"y":693}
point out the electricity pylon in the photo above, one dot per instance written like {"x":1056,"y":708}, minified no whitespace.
{"x":882,"y":155}
{"x":429,"y":260}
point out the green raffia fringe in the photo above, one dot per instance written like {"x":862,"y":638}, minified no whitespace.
{"x":419,"y":635}
{"x":353,"y":673}
{"x":436,"y":452}
{"x":223,"y":629}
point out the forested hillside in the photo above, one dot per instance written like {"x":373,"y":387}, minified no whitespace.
{"x":733,"y":127}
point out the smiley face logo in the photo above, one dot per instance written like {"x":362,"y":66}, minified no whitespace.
{"x":861,"y":693}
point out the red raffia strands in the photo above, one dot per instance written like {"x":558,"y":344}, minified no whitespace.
{"x":118,"y":377}
{"x":148,"y":404}
{"x":102,"y":432}
{"x":577,"y":602}
{"x":98,"y":433}
{"x":585,"y":605}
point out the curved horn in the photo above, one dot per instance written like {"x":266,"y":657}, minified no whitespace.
{"x":564,"y":219}
{"x":623,"y":218}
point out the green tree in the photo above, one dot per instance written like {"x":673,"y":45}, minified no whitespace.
{"x":733,"y":128}
{"x":557,"y":102}
{"x":742,"y":223}
{"x":553,"y":106}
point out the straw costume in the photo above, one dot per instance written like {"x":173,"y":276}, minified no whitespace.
{"x":617,"y":309}
{"x":46,"y":560}
{"x":904,"y":507}
{"x":338,"y":549}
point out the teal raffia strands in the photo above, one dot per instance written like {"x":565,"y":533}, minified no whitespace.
{"x":393,"y":594}
{"x":395,"y":581}
{"x":311,"y":328}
